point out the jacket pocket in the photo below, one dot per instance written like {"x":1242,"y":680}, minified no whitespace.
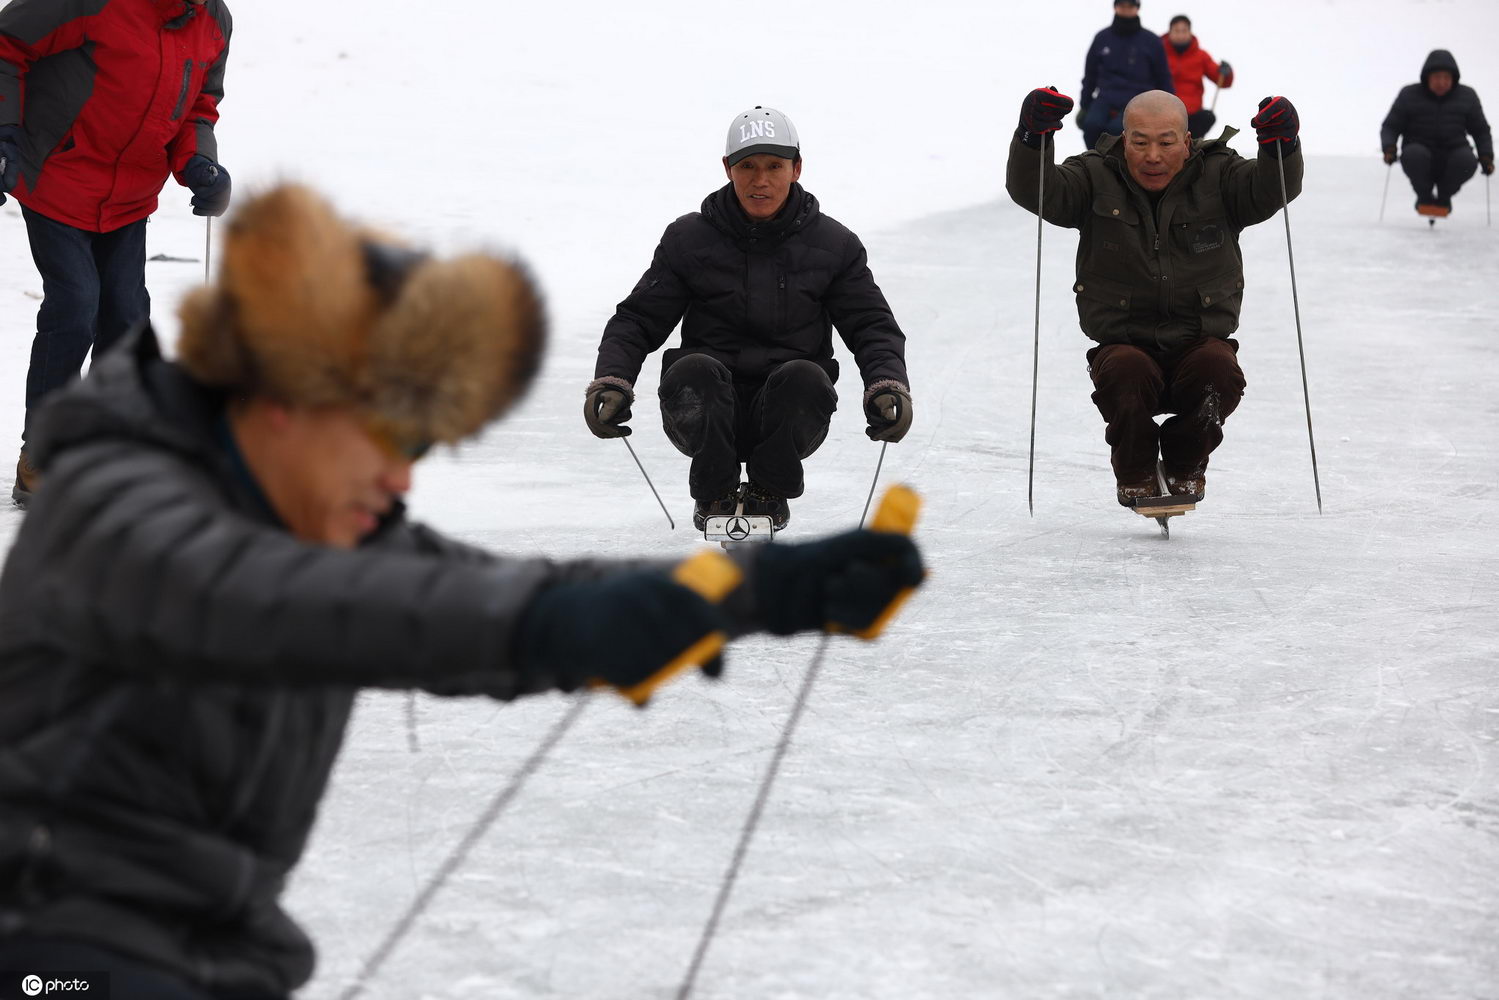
{"x":1116,"y":208}
{"x":1101,"y":292}
{"x":1218,"y":303}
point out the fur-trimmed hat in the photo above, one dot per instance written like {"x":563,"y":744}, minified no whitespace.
{"x":312,"y":311}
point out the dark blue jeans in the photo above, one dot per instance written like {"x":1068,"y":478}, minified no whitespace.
{"x":128,"y":979}
{"x":93,"y":292}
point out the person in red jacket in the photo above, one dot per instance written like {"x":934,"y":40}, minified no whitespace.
{"x":1190,"y":64}
{"x":100,"y":102}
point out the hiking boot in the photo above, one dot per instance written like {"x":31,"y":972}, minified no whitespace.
{"x":722,"y":506}
{"x":1189,"y":487}
{"x":1128,"y":493}
{"x":759,"y":502}
{"x":28,"y":479}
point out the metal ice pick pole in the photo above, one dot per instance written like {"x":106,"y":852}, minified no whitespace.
{"x":458,"y":855}
{"x":1280,"y":159}
{"x":648,"y":482}
{"x":1030,"y":475}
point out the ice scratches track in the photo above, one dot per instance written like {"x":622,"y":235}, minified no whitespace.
{"x":742,"y":848}
{"x":460,"y":853}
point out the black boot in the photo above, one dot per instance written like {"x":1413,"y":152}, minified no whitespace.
{"x":725,"y":505}
{"x":759,"y":502}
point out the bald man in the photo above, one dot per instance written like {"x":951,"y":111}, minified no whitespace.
{"x":1160,"y":278}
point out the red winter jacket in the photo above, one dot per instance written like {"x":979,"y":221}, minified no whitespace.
{"x":112,"y":97}
{"x":1189,"y":69}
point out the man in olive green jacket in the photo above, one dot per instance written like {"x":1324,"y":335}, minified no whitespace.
{"x":1160,"y":278}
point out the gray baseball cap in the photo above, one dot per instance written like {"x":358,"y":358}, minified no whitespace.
{"x":761,"y":130}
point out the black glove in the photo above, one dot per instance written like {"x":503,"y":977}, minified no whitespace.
{"x":887,"y":405}
{"x":209,"y":184}
{"x":1225,"y":74}
{"x":1277,"y":122}
{"x":1082,"y":116}
{"x":1486,"y":163}
{"x":606,"y":407}
{"x":620,"y":631}
{"x":10,"y":158}
{"x":842,"y":583}
{"x":1389,"y":155}
{"x":1042,"y":111}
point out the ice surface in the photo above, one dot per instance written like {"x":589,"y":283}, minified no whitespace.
{"x":1257,"y":760}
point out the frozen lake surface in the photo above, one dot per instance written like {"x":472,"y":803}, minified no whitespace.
{"x":1258,"y":760}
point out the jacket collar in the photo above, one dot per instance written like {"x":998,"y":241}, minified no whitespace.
{"x":722,"y":209}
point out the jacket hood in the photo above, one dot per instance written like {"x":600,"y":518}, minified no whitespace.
{"x":1440,"y":59}
{"x":131,"y":393}
{"x":722,"y":210}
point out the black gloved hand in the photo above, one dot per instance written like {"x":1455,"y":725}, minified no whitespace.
{"x":1277,"y":122}
{"x":10,"y":158}
{"x":621,"y":630}
{"x":209,"y":184}
{"x":1389,"y":155}
{"x":887,"y":405}
{"x":1042,"y":111}
{"x":606,"y":407}
{"x":1225,"y":74}
{"x":1486,"y":163}
{"x":844,"y":582}
{"x":1082,"y":115}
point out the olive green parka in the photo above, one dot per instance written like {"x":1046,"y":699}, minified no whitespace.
{"x":1157,"y":276}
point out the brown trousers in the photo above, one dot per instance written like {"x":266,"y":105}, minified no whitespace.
{"x":1199,"y":386}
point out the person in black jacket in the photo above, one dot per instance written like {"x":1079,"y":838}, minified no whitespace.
{"x":1434,"y":119}
{"x":758,"y":278}
{"x":221,"y":559}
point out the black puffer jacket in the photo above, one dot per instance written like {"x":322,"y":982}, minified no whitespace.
{"x":178,"y":671}
{"x":756,"y":295}
{"x":1418,"y":116}
{"x":1157,"y":276}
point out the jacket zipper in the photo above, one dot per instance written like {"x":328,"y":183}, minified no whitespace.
{"x":187,"y":78}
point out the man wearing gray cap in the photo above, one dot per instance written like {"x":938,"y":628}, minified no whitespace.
{"x":758,"y":279}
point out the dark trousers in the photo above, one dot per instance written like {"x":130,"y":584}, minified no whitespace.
{"x":771,"y":426}
{"x":1200,"y":386}
{"x":129,"y":979}
{"x":93,"y":292}
{"x":1442,"y":170}
{"x":1101,"y":118}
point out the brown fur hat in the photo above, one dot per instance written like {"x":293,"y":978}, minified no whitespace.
{"x":311,"y":311}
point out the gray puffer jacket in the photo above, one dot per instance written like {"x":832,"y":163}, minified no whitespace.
{"x":178,"y":672}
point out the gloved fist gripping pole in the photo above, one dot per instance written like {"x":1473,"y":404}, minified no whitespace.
{"x":711,"y":575}
{"x":852,"y":584}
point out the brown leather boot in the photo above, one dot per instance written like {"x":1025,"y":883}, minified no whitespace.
{"x":1128,"y":493}
{"x":27,"y":480}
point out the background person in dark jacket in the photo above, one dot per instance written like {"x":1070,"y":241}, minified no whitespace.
{"x":1435,"y":118}
{"x":758,"y":278}
{"x":118,"y":96}
{"x":1124,"y":60}
{"x":1160,"y":278}
{"x":220,"y":560}
{"x":1190,"y":64}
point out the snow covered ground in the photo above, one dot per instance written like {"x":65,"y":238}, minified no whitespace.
{"x":1257,"y":760}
